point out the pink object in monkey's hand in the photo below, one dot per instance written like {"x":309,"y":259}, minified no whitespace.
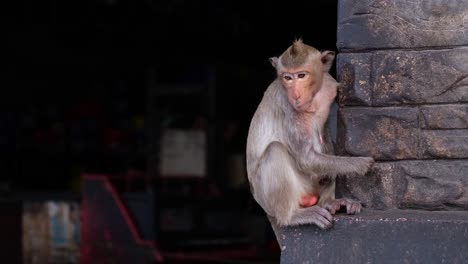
{"x":309,"y":200}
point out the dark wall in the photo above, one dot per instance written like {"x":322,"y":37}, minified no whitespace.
{"x":77,"y":72}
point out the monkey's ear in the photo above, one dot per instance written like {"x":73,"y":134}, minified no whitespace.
{"x":327,"y":58}
{"x":273,"y":61}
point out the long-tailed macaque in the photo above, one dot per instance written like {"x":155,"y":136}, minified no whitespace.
{"x":290,"y":163}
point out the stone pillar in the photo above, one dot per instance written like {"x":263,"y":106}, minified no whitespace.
{"x":403,"y":66}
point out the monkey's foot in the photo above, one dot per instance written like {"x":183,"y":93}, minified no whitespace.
{"x":352,"y":207}
{"x":312,"y":215}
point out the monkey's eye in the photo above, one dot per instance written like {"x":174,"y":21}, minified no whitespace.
{"x":301,"y":75}
{"x":287,"y":77}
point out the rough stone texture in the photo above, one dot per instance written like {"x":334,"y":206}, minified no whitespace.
{"x":385,"y":78}
{"x":442,"y":117}
{"x":383,"y":24}
{"x":396,"y":133}
{"x":383,"y":133}
{"x":419,"y":184}
{"x":376,"y":189}
{"x":444,"y":144}
{"x":403,"y":69}
{"x":394,"y":236}
{"x":354,"y":74}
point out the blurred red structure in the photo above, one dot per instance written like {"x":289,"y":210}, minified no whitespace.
{"x":109,"y":232}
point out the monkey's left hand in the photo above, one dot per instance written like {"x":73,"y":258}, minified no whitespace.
{"x":352,"y":207}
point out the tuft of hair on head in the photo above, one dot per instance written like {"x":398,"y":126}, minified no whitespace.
{"x":297,"y":54}
{"x":296,"y":47}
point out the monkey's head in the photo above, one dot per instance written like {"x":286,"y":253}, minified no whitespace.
{"x":300,"y":69}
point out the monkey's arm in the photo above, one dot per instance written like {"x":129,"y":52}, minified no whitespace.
{"x":332,"y":166}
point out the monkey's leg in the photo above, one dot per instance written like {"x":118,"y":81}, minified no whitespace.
{"x":279,"y":186}
{"x":328,"y":201}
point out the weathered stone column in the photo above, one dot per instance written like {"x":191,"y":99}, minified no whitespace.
{"x":403,"y":66}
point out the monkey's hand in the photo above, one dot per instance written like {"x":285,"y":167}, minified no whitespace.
{"x":362,"y":164}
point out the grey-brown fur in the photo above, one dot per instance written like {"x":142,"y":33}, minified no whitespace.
{"x":285,"y":161}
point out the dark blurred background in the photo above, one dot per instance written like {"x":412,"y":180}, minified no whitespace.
{"x":93,"y":86}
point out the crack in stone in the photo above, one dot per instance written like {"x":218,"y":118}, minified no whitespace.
{"x":453,"y":86}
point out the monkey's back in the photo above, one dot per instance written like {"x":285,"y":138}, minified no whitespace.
{"x":265,"y":126}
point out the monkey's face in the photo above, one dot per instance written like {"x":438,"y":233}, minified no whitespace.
{"x":301,"y":85}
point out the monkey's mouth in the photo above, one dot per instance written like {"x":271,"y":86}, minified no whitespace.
{"x":303,"y":106}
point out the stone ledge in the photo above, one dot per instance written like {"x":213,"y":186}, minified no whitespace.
{"x":392,"y":236}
